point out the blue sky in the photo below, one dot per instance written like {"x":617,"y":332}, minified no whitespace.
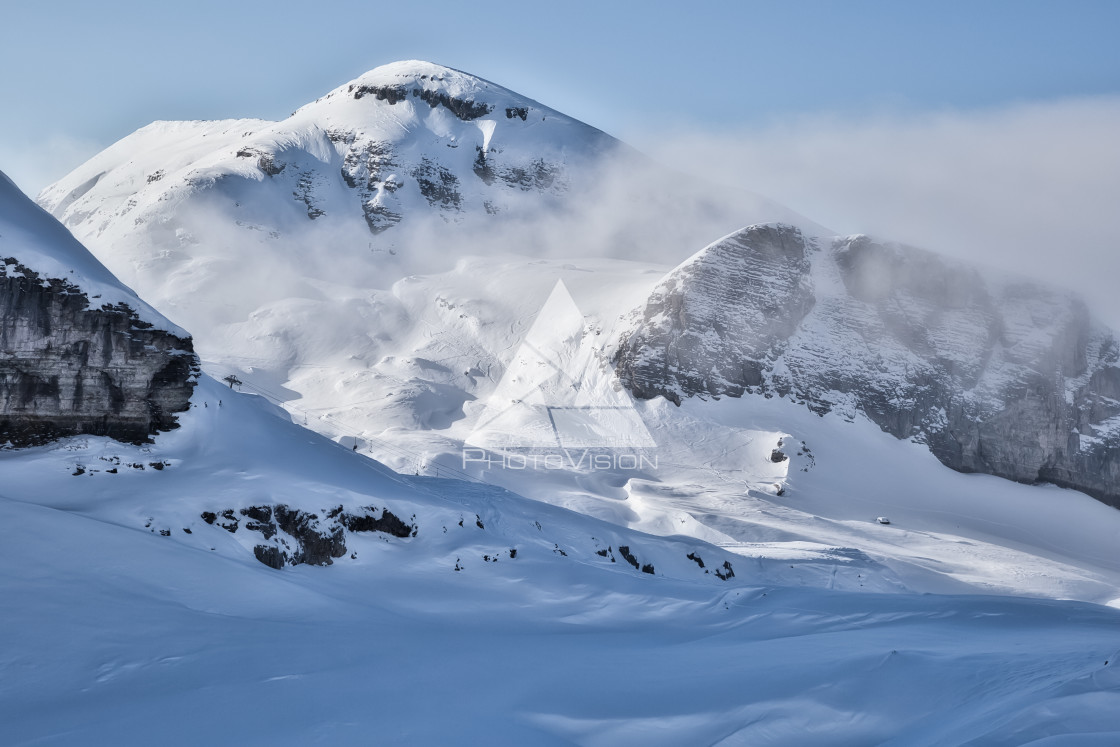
{"x":96,"y":71}
{"x":982,"y":129}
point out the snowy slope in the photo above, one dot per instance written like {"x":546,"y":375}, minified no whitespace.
{"x":34,"y":239}
{"x":115,"y":633}
{"x":406,"y":366}
{"x":140,"y":604}
{"x":445,"y":342}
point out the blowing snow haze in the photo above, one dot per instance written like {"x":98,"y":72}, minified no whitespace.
{"x":503,"y":431}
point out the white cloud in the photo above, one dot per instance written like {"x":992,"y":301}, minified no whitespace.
{"x":1034,"y":188}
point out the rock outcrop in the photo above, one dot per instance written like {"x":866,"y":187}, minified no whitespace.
{"x":69,"y":368}
{"x":289,"y":536}
{"x":1005,"y":378}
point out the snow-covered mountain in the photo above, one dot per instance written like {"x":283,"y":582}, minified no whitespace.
{"x":1004,"y":377}
{"x":404,"y":357}
{"x":79,"y":352}
{"x":735,"y":587}
{"x":172,"y":591}
{"x":74,"y":357}
{"x":404,"y":170}
{"x":401,"y":140}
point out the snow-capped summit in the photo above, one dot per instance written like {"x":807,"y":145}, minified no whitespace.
{"x":403,"y":140}
{"x":465,"y":95}
{"x":336,"y":193}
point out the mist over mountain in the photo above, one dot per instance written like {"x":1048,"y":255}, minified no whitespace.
{"x":998,"y":376}
{"x":495,"y":439}
{"x":405,"y":170}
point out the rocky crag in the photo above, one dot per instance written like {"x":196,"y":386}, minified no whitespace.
{"x":67,"y":368}
{"x":1001,"y":377}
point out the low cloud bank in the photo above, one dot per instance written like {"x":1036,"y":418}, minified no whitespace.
{"x":1032,"y":189}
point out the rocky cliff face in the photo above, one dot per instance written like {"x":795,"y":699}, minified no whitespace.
{"x":69,"y":368}
{"x":1008,"y":379}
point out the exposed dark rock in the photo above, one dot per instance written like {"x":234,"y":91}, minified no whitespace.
{"x":270,"y":555}
{"x":267,"y":163}
{"x":777,"y":456}
{"x":714,"y":326}
{"x":696,"y":558}
{"x":68,"y":369}
{"x":268,"y":529}
{"x":388,"y":523}
{"x":624,"y":551}
{"x":464,"y":109}
{"x":318,"y":540}
{"x":258,"y":513}
{"x":390,"y":94}
{"x":438,"y":185}
{"x":305,"y":193}
{"x":1010,"y":379}
{"x":318,"y":544}
{"x":726,"y":571}
{"x":229,"y":522}
{"x":538,"y":175}
{"x":367,"y":167}
{"x":517,"y":111}
{"x":482,"y":167}
{"x":379,"y":218}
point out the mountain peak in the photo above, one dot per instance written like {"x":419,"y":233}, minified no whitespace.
{"x":466,"y":96}
{"x":417,"y":71}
